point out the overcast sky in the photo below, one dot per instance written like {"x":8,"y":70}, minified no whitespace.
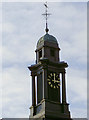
{"x":22,"y":27}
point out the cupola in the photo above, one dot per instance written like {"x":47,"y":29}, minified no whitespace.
{"x":47,"y":47}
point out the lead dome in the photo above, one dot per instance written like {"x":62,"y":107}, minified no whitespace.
{"x":48,"y":38}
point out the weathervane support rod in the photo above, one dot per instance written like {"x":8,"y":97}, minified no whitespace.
{"x":46,"y":15}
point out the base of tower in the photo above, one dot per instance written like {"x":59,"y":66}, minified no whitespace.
{"x":49,"y":110}
{"x":50,"y":119}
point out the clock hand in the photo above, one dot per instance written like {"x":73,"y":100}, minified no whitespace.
{"x":56,"y":81}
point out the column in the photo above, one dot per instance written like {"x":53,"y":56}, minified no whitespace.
{"x":59,"y":94}
{"x":63,"y":88}
{"x":45,"y":91}
{"x":33,"y":91}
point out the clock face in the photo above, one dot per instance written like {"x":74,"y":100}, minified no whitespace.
{"x":53,"y":80}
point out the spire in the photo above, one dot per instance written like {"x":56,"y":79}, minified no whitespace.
{"x":46,"y":14}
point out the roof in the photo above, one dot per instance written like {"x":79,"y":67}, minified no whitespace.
{"x":48,"y":38}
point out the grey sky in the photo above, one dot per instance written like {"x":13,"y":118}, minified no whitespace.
{"x":23,"y":25}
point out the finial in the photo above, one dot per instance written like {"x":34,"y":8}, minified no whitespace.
{"x":46,"y":14}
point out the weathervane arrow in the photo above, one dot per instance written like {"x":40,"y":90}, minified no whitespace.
{"x":45,"y":4}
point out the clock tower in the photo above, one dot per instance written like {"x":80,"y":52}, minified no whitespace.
{"x":48,"y":81}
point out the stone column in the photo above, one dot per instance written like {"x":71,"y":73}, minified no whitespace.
{"x":33,"y":91}
{"x":45,"y":88}
{"x":63,"y":88}
{"x":59,"y":94}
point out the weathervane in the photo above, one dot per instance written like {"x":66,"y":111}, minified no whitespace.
{"x":46,"y":15}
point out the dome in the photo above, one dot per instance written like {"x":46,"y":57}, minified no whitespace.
{"x":48,"y":38}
